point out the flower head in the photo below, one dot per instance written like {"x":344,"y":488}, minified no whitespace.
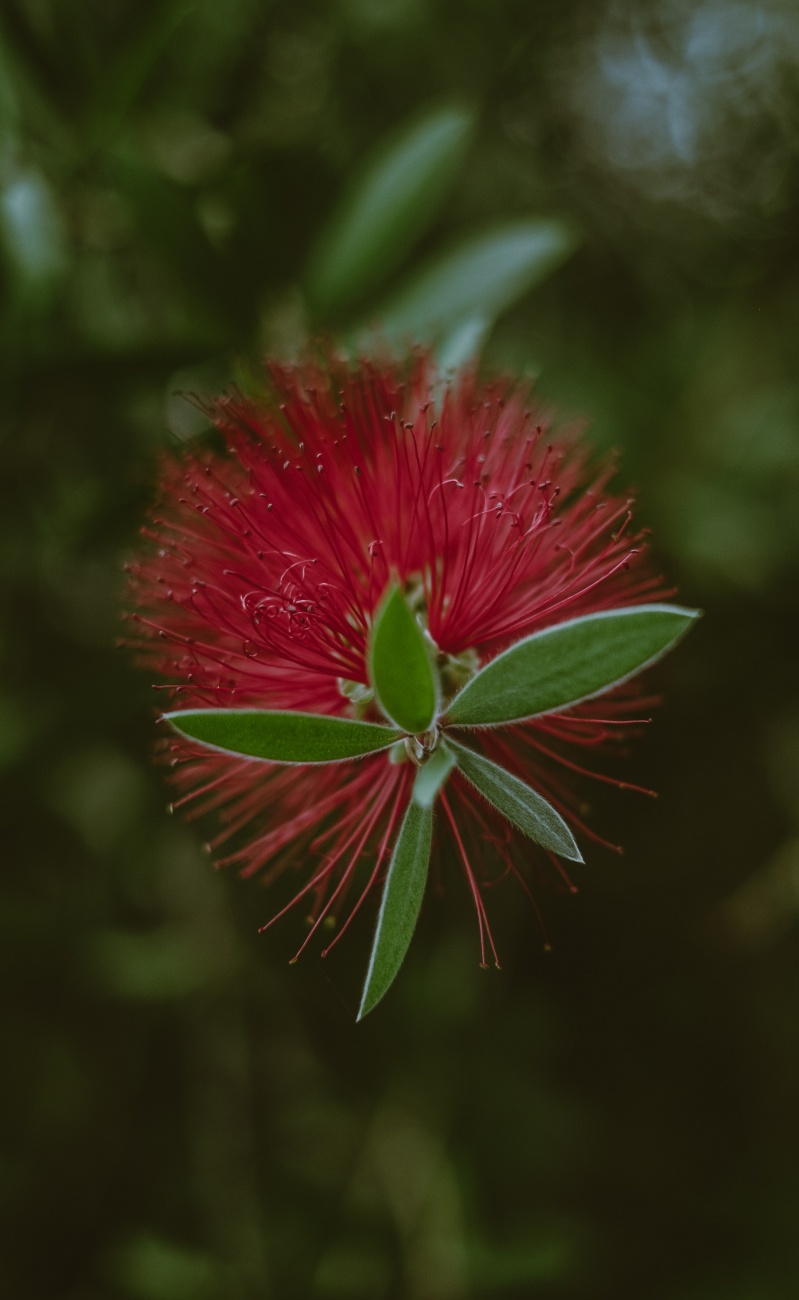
{"x":356,"y":505}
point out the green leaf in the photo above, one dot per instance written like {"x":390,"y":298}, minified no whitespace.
{"x":432,"y":776}
{"x":401,"y":667}
{"x":478,"y":279}
{"x":32,"y":229}
{"x":522,"y":806}
{"x":123,"y":80}
{"x":402,"y":899}
{"x":554,"y":669}
{"x":282,"y":737}
{"x":388,"y":207}
{"x":462,"y":344}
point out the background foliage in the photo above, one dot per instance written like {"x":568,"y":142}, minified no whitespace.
{"x":184,"y":1114}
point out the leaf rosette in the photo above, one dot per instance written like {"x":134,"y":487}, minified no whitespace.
{"x":549,"y":672}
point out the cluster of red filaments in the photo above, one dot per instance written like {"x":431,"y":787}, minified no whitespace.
{"x":263,"y":569}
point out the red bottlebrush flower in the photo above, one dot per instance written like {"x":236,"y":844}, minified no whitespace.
{"x":262,"y":580}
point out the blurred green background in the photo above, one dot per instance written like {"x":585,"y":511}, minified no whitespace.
{"x":604,"y":196}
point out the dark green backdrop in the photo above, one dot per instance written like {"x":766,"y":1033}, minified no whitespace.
{"x":185,"y":1116}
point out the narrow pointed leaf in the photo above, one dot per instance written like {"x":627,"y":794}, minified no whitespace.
{"x":126,"y":75}
{"x":527,"y":809}
{"x":402,"y":899}
{"x":432,"y":776}
{"x":401,"y":666}
{"x":480,"y":277}
{"x":462,"y":344}
{"x":554,"y":669}
{"x":388,"y":207}
{"x":282,"y":737}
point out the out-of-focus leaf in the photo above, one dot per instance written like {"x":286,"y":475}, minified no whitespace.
{"x":387,"y":208}
{"x":282,"y":737}
{"x":9,"y":110}
{"x":462,"y":344}
{"x":480,"y":277}
{"x":521,"y":805}
{"x":150,"y":1268}
{"x":559,"y":667}
{"x":32,"y":229}
{"x":402,"y":899}
{"x":121,"y":83}
{"x":401,"y":667}
{"x":29,"y":77}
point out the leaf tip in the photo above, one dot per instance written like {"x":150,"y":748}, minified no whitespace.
{"x":366,"y":1006}
{"x":176,"y":719}
{"x":569,"y":849}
